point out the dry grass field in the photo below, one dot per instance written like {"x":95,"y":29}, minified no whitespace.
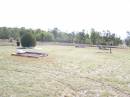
{"x":66,"y":72}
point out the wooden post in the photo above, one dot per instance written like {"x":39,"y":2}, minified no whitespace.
{"x":18,"y":43}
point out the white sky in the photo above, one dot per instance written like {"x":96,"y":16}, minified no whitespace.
{"x":67,"y":15}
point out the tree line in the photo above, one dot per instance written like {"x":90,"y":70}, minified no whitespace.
{"x":55,"y":35}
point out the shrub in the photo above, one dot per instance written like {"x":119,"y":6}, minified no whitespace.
{"x":28,"y":40}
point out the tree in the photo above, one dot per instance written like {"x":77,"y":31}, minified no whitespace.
{"x":87,"y":39}
{"x":4,"y":33}
{"x":127,"y":40}
{"x":80,"y":37}
{"x":14,"y":33}
{"x":95,"y":37}
{"x":28,"y":40}
{"x":71,"y":37}
{"x":55,"y":32}
{"x":108,"y":38}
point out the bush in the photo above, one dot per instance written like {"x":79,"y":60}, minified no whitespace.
{"x":28,"y":40}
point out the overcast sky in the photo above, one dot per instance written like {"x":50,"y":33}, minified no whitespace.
{"x":67,"y":15}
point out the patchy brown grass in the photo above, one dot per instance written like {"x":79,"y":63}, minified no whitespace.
{"x":66,"y":72}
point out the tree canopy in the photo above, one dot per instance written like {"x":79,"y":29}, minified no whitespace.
{"x":55,"y":35}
